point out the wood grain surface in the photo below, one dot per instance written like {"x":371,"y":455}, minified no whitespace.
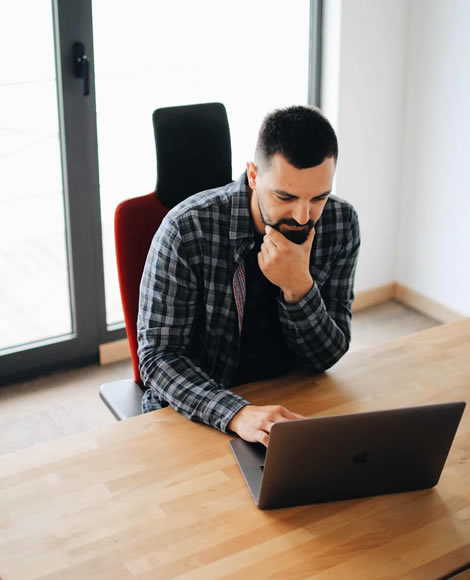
{"x":160,"y":497}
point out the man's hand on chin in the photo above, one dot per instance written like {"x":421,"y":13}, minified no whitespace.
{"x":254,"y":423}
{"x":287,"y":264}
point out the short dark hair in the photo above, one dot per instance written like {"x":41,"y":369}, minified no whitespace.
{"x":301,"y":134}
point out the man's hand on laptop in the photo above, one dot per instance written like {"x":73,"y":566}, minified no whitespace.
{"x":253,"y":423}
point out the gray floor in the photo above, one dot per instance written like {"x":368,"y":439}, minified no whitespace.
{"x":65,"y":403}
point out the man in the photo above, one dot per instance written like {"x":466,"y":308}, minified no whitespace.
{"x":249,"y":280}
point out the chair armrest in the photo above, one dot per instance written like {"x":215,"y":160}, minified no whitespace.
{"x":123,"y":398}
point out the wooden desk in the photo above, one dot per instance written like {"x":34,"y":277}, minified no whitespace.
{"x":160,"y":497}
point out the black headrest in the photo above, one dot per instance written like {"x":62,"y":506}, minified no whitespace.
{"x":193,"y":150}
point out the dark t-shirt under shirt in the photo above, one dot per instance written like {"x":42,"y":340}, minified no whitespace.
{"x":263,"y":351}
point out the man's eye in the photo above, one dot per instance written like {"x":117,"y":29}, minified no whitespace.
{"x":283,"y":197}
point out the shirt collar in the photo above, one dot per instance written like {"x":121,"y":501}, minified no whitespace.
{"x":241,"y":221}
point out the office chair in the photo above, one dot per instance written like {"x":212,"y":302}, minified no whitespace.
{"x":193,"y":151}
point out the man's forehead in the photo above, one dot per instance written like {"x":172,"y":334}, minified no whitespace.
{"x":309,"y":182}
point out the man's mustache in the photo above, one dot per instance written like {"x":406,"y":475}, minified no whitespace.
{"x":291,"y":222}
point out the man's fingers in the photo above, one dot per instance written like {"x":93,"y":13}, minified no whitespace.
{"x":269,"y":230}
{"x":254,"y":423}
{"x":311,"y":235}
{"x":268,"y":250}
{"x":262,"y":437}
{"x":269,"y":423}
{"x":266,"y":426}
{"x":274,"y":236}
{"x":269,"y":244}
{"x":289,"y":415}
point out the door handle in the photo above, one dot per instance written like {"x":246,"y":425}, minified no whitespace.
{"x":81,"y":66}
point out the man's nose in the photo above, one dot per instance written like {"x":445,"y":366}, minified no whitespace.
{"x":301,"y":213}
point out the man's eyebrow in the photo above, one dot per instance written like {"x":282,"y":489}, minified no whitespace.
{"x":287,"y":194}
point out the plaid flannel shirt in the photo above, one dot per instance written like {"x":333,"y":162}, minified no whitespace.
{"x":192,"y":297}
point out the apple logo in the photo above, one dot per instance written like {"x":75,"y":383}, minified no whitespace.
{"x":360,"y":458}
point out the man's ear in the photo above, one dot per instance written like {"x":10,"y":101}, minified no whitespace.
{"x":251,"y":172}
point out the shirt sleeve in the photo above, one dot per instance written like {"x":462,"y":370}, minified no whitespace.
{"x":168,"y":307}
{"x":318,"y":328}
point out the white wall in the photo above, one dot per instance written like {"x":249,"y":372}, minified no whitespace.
{"x":433,"y":255}
{"x":369,"y":123}
{"x":401,"y":112}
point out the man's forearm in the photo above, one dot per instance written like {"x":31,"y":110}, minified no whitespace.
{"x":188,"y":389}
{"x":315,"y":335}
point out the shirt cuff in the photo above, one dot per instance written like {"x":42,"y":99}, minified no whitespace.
{"x":309,"y":306}
{"x":221,"y":409}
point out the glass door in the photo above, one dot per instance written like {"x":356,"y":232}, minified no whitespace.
{"x":35,"y":300}
{"x":51,"y":286}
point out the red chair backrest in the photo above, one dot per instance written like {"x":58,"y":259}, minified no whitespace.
{"x":135,"y":222}
{"x":192,"y":144}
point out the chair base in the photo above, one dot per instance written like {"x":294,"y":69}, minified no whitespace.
{"x":123,"y":398}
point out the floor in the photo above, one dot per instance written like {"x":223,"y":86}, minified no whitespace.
{"x":65,"y":403}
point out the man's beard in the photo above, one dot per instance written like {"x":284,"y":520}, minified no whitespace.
{"x":296,"y":236}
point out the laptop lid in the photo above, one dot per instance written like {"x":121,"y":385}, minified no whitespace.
{"x":346,"y":456}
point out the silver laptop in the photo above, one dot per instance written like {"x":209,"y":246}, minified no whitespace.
{"x":346,"y":456}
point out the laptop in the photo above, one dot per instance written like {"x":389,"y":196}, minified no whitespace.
{"x":346,"y":456}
